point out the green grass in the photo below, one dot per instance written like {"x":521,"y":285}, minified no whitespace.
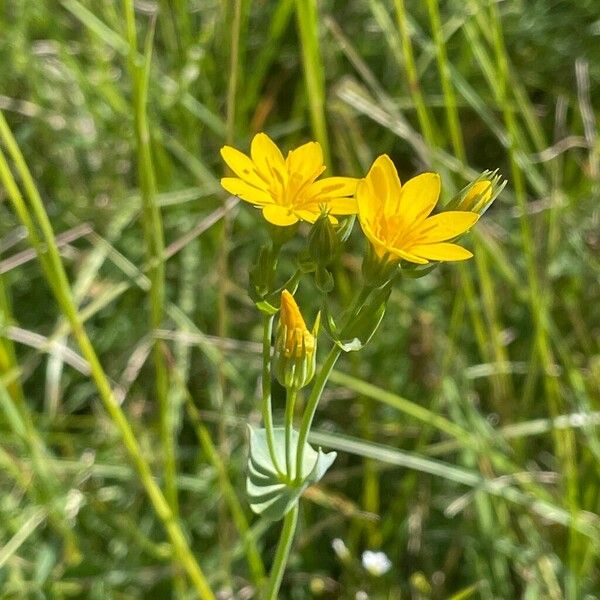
{"x":130,"y":351}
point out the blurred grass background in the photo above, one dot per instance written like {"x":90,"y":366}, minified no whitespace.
{"x":467,"y":430}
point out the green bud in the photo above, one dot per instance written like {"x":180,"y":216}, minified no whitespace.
{"x":305,"y":262}
{"x":323,"y":242}
{"x":262,"y":274}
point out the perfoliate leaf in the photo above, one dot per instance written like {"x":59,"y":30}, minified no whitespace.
{"x":272,"y":493}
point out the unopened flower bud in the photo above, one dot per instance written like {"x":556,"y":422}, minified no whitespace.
{"x":295,"y":346}
{"x":323,"y":241}
{"x":478,"y":196}
{"x":262,"y":274}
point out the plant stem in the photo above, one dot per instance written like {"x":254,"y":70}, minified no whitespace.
{"x":311,"y":405}
{"x":290,"y":401}
{"x":321,"y":380}
{"x":267,"y":412}
{"x":283,"y":551}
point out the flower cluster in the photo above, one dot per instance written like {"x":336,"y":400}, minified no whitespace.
{"x":396,"y":219}
{"x":406,"y":230}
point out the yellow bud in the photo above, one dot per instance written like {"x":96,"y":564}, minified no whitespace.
{"x":295,"y":345}
{"x":298,"y":340}
{"x":477,"y":196}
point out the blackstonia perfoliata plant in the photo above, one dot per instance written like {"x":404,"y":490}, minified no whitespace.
{"x":404,"y":237}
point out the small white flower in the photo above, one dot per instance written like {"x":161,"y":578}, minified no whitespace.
{"x":360,"y":595}
{"x":376,"y":563}
{"x":340,"y":549}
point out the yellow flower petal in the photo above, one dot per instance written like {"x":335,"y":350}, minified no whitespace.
{"x":442,"y":227}
{"x":307,"y":161}
{"x":442,"y":251}
{"x":245,"y":191}
{"x":242,"y":166}
{"x":279,"y":215}
{"x":380,"y":188}
{"x":343,"y":206}
{"x":392,"y":182}
{"x":332,"y":187}
{"x":310,"y":214}
{"x":290,"y":314}
{"x":409,"y":256}
{"x":378,"y":178}
{"x":418,"y":198}
{"x":266,"y":156}
{"x":366,"y":200}
{"x":378,"y":244}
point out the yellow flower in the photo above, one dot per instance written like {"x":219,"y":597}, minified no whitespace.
{"x":295,"y":346}
{"x":286,"y":189}
{"x":395,"y":217}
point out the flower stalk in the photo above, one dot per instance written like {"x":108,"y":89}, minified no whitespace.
{"x":290,"y":402}
{"x":267,"y":410}
{"x":283,"y":551}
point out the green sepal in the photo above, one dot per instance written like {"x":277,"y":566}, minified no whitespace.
{"x":323,"y":242}
{"x":272,"y":494}
{"x":417,"y":271}
{"x":268,"y":303}
{"x":345,"y":227}
{"x":378,"y":270}
{"x":266,"y":307}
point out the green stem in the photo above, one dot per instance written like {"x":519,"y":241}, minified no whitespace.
{"x":283,"y":551}
{"x":311,"y":405}
{"x":321,"y":380}
{"x":290,"y":401}
{"x":267,"y":412}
